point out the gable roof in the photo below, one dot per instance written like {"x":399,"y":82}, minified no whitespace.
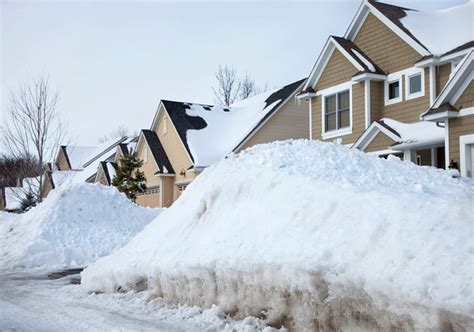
{"x":358,"y":55}
{"x":403,"y":134}
{"x":210,"y":132}
{"x":109,"y":168}
{"x":428,"y":32}
{"x":157,"y":151}
{"x":80,"y":157}
{"x":443,"y":105}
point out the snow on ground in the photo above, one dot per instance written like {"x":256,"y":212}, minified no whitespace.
{"x":310,"y":235}
{"x":74,"y":226}
{"x":442,"y":30}
{"x":31,"y":302}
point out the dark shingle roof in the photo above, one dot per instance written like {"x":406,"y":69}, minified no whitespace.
{"x":106,"y":170}
{"x":349,"y":46}
{"x":183,"y":122}
{"x":395,"y":14}
{"x":446,"y":107}
{"x":158,"y":151}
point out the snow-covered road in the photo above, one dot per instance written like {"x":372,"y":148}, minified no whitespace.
{"x":29,"y":301}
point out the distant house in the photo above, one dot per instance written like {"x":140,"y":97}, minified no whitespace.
{"x":107,"y":169}
{"x":369,"y":87}
{"x":79,"y":163}
{"x":185,"y":138}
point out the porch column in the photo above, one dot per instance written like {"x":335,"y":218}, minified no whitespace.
{"x":409,"y":155}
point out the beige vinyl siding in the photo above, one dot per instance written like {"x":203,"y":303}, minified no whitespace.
{"x":149,"y":166}
{"x":149,"y":200}
{"x":338,"y":70}
{"x":379,"y":143}
{"x":442,"y":78}
{"x":459,"y":127}
{"x":376,"y":100}
{"x":101,"y":178}
{"x":167,"y":187}
{"x":174,"y":148}
{"x":61,"y":161}
{"x":467,"y":98}
{"x":409,"y":110}
{"x":384,"y":47}
{"x":358,"y":116}
{"x":290,"y":121}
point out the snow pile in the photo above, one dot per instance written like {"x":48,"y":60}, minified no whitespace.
{"x":443,"y":30}
{"x":310,"y":235}
{"x":74,"y":226}
{"x":366,"y":62}
{"x":415,"y":132}
{"x":226,"y":126}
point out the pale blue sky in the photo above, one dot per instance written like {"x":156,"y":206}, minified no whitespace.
{"x":114,"y":61}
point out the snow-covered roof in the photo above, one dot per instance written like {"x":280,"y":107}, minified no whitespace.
{"x":211,"y":132}
{"x":81,"y":156}
{"x":415,"y":132}
{"x":443,"y":30}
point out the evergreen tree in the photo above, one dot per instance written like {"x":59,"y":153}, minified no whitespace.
{"x":28,"y":202}
{"x":129,"y":179}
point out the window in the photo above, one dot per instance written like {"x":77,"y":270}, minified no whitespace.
{"x":337,"y":111}
{"x":393,"y":90}
{"x":414,"y":84}
{"x":165,"y":125}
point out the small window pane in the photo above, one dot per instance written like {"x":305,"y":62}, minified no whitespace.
{"x":415,"y":83}
{"x":343,"y":100}
{"x":330,"y":104}
{"x":344,"y":119}
{"x":331,"y":121}
{"x":394,"y":90}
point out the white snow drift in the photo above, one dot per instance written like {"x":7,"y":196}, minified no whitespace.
{"x":74,"y":226}
{"x":310,"y":235}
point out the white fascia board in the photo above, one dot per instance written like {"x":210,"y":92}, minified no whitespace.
{"x":448,"y":58}
{"x":369,"y":76}
{"x":357,"y":21}
{"x":307,"y":95}
{"x":439,"y":116}
{"x":158,"y":112}
{"x":419,"y":144}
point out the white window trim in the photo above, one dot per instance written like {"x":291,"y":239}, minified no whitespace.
{"x":328,"y":92}
{"x":408,"y":74}
{"x":463,"y":142}
{"x":390,"y":79}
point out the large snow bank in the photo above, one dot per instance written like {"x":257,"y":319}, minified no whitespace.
{"x":310,"y":235}
{"x":74,"y":226}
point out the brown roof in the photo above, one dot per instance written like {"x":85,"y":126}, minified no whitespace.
{"x":395,"y":14}
{"x":446,"y":107}
{"x":349,"y":46}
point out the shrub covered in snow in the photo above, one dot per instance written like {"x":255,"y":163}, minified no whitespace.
{"x":74,"y":226}
{"x":310,"y":235}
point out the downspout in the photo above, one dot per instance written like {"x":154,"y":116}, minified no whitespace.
{"x":367,"y":103}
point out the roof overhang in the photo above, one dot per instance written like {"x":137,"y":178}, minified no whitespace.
{"x":361,"y":14}
{"x":369,"y":76}
{"x":435,"y":142}
{"x":322,"y":61}
{"x":369,"y":134}
{"x":444,"y":59}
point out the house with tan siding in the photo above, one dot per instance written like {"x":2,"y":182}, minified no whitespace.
{"x":185,"y":138}
{"x":369,"y":87}
{"x":107,"y":168}
{"x":453,"y":109}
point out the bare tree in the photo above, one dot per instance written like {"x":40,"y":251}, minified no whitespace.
{"x":228,"y":85}
{"x":248,"y":88}
{"x":33,"y":129}
{"x":120,"y":131}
